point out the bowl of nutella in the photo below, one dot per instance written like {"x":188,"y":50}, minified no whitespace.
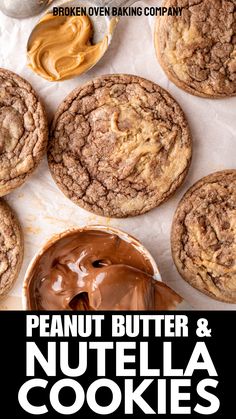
{"x":95,"y":268}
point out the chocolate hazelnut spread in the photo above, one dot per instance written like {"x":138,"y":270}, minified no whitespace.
{"x":60,"y":47}
{"x":96,"y":270}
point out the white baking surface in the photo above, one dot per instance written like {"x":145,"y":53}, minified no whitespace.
{"x":43,"y":210}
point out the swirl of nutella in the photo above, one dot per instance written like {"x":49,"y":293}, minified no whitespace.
{"x":95,"y":270}
{"x":60,"y":47}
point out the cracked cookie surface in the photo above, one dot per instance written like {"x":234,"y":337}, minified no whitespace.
{"x":119,"y":146}
{"x":23,"y":131}
{"x":204,"y":236}
{"x":11,"y":248}
{"x":198,"y":50}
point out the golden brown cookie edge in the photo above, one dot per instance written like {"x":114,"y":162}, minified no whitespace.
{"x":170,"y":75}
{"x":20,"y":238}
{"x":44,"y":131}
{"x":175,"y":229}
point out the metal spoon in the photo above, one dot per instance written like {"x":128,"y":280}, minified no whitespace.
{"x":26,"y":8}
{"x":23,"y":8}
{"x":102,"y":25}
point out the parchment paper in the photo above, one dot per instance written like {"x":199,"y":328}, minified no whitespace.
{"x":43,"y":210}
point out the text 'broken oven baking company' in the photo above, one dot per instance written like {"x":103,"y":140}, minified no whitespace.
{"x":117,"y":11}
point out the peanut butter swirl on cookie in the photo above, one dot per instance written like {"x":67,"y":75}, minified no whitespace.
{"x":204,"y":236}
{"x":198,"y":49}
{"x":23,"y":131}
{"x":120,"y":145}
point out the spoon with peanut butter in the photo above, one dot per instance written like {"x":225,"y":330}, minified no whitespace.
{"x":63,"y":46}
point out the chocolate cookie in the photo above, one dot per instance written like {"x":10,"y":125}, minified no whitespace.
{"x":198,"y":50}
{"x":11,"y":248}
{"x":204,"y":236}
{"x":120,"y":145}
{"x":23,"y":131}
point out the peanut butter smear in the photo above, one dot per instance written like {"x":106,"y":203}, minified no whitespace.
{"x":60,"y":48}
{"x":95,"y":270}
